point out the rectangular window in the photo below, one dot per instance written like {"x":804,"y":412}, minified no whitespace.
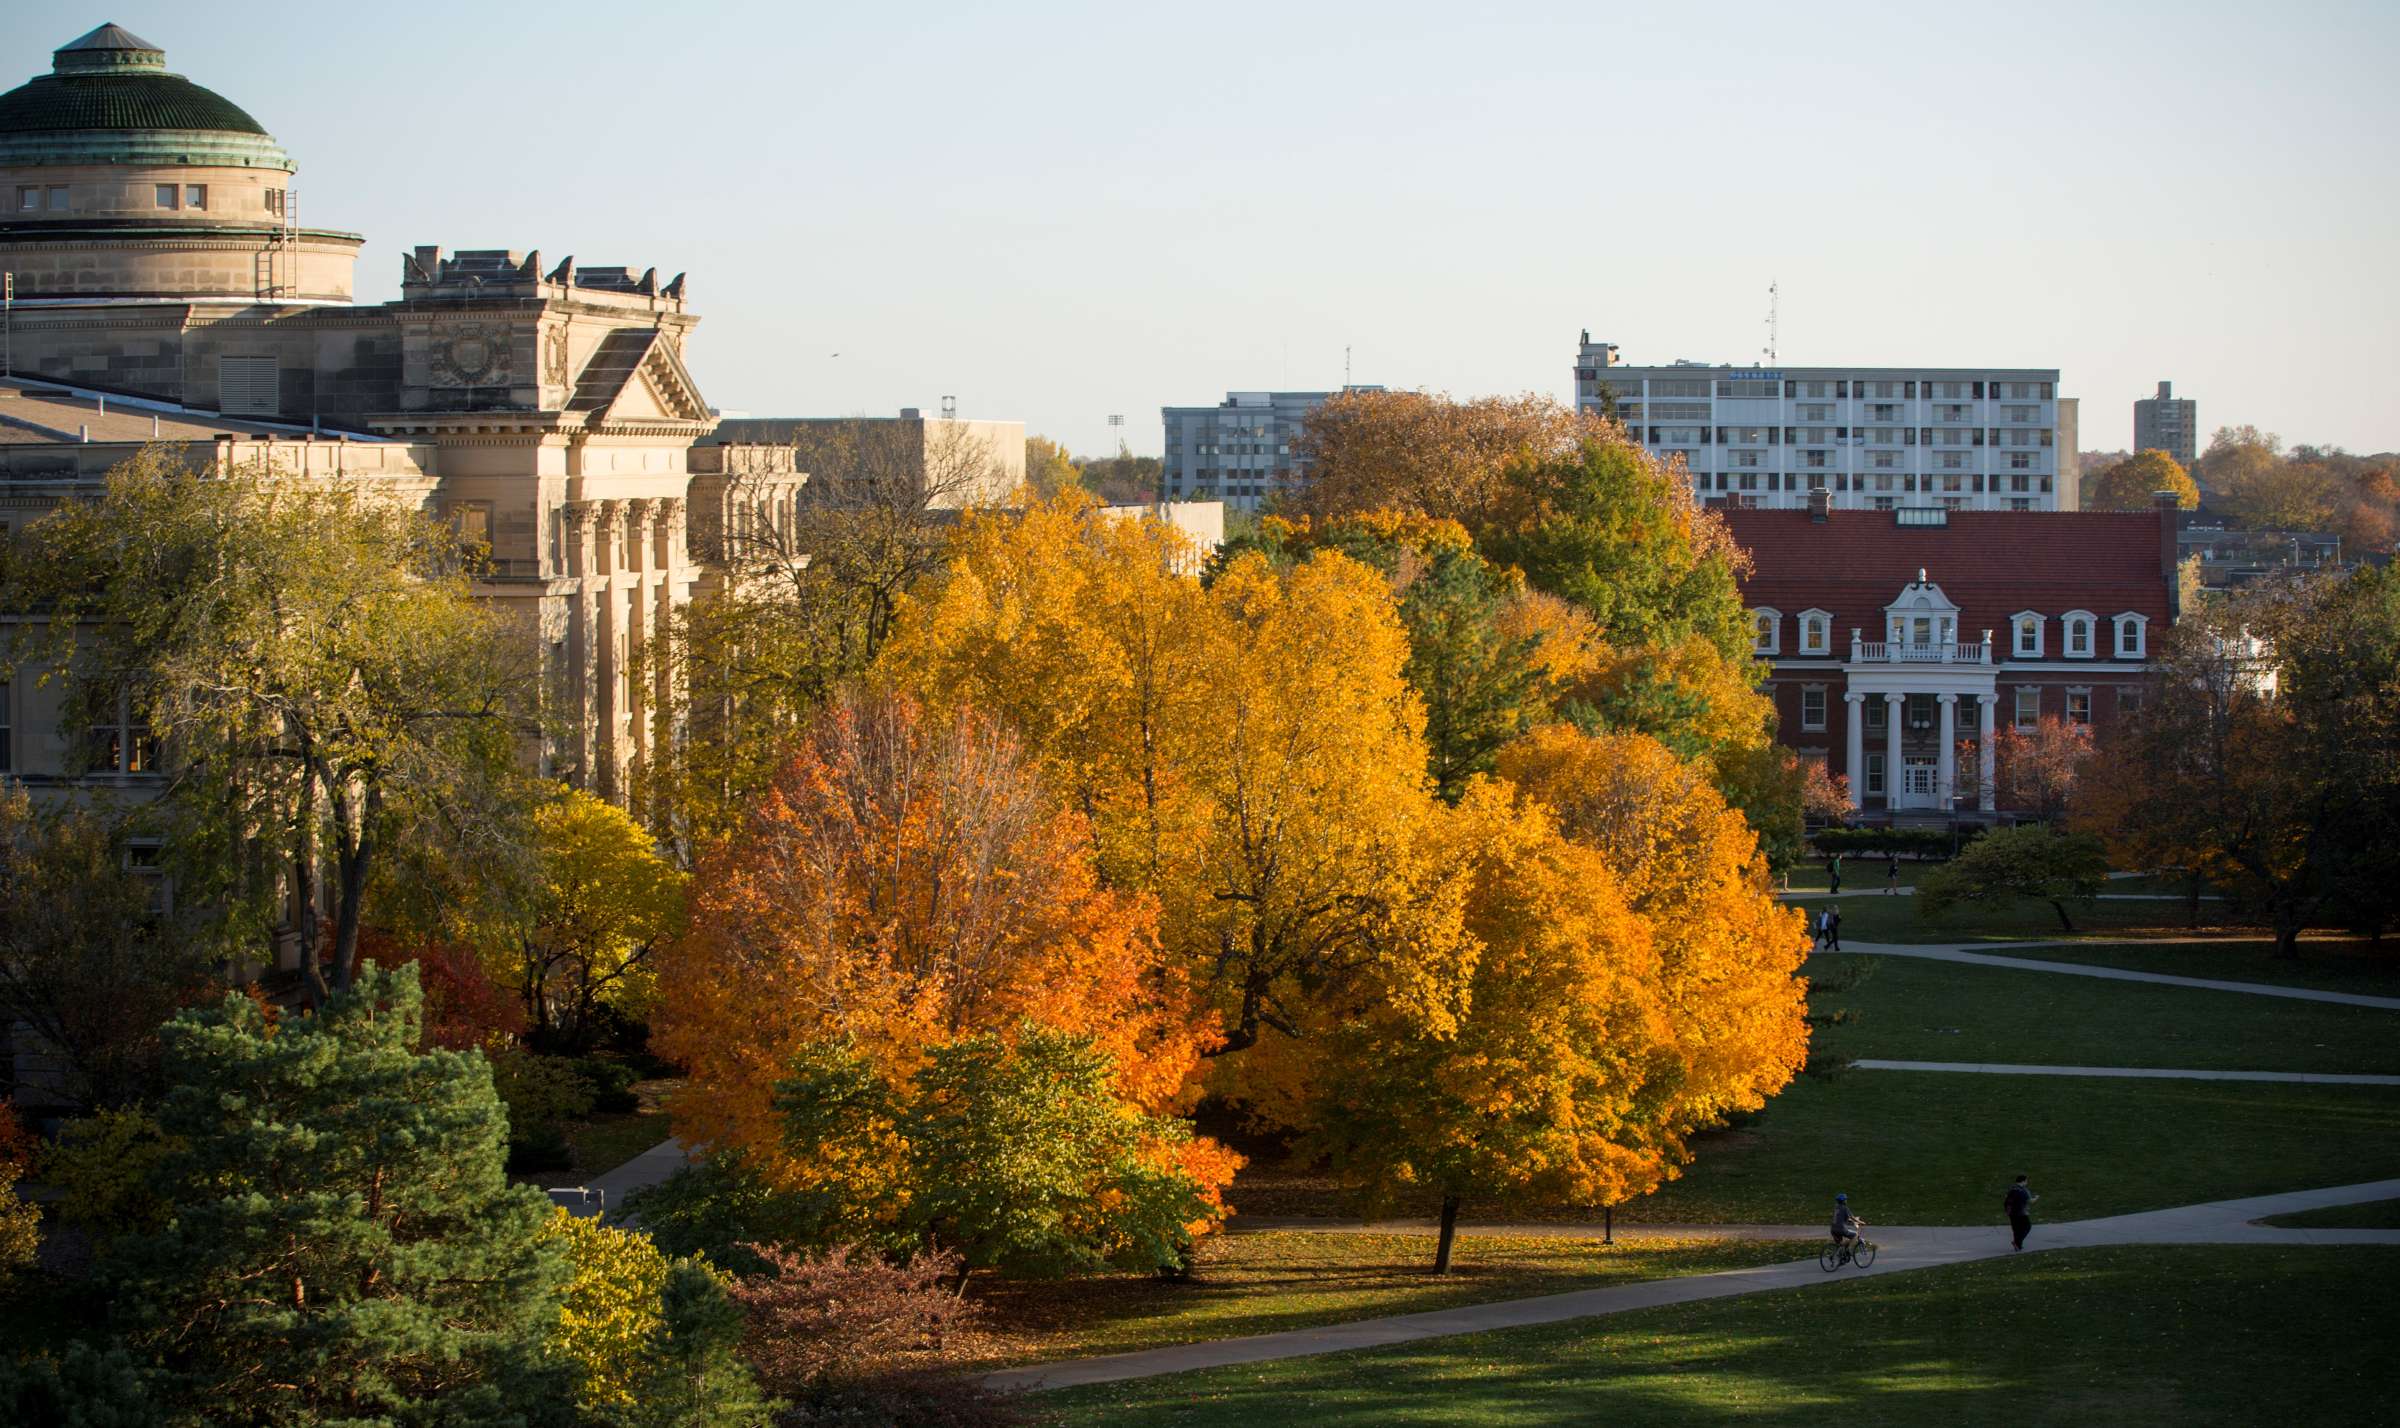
{"x":58,"y":198}
{"x":1875,"y":712}
{"x":2079,"y":706}
{"x":2129,"y":640}
{"x":29,"y":199}
{"x":1875,"y":774}
{"x":2029,"y":639}
{"x":2079,"y":637}
{"x":7,"y":743}
{"x":2129,"y":701}
{"x":195,"y":195}
{"x":1812,"y":707}
{"x":164,"y":195}
{"x":2029,"y":707}
{"x":473,"y":522}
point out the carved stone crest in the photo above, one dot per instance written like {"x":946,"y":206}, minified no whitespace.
{"x":470,"y":355}
{"x":554,"y":359}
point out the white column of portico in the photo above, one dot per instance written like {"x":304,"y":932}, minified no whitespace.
{"x":1856,"y":769}
{"x":1946,"y":766}
{"x":1985,"y":705}
{"x":1894,"y":709}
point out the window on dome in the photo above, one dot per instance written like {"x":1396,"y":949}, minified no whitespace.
{"x":164,"y":194}
{"x":29,"y":199}
{"x":195,"y":195}
{"x":58,"y":198}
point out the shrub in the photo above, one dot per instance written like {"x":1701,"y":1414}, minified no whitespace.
{"x":2026,"y":861}
{"x":612,"y":1085}
{"x":849,"y":1337}
{"x":542,"y":1146}
{"x":106,"y":1169}
{"x":712,"y":1207}
{"x":1911,"y":842}
{"x":541,"y":1093}
{"x":653,"y":1342}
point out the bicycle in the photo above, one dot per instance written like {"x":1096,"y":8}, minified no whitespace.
{"x":1859,"y":1252}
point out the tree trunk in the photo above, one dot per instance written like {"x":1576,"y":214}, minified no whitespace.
{"x":2060,"y":908}
{"x":2195,"y":899}
{"x":1441,"y":1252}
{"x":304,"y":892}
{"x":2288,"y":927}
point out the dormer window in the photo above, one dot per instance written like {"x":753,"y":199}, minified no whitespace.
{"x":1766,"y":631}
{"x":1816,"y":632}
{"x":2132,"y":635}
{"x":2026,"y":635}
{"x":2079,"y":634}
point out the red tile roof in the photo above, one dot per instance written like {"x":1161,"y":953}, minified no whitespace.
{"x":1991,"y":564}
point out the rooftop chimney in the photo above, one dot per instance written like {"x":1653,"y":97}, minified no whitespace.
{"x":1820,"y":503}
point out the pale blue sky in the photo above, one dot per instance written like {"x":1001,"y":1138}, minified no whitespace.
{"x":1056,"y":211}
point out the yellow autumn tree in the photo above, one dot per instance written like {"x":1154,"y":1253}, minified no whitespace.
{"x":1689,"y":866}
{"x":905,"y":881}
{"x":1552,"y":1078}
{"x":1248,"y":750}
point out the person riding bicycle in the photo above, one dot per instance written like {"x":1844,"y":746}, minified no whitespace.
{"x":1845,"y":1225}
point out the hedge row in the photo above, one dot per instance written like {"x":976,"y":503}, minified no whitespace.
{"x":1915,"y":842}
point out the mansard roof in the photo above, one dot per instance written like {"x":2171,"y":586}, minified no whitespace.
{"x":1991,"y":564}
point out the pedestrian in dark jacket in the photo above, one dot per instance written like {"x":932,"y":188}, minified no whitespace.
{"x":2018,"y":1202}
{"x":1833,"y":874}
{"x":1831,"y":929}
{"x":1891,"y":874}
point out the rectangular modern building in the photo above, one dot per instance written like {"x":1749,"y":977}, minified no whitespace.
{"x":2166,"y":423}
{"x":1877,"y":438}
{"x":1240,"y":451}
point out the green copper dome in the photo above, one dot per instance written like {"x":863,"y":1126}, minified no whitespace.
{"x":109,"y":99}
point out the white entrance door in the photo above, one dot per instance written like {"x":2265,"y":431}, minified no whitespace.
{"x":1917,"y":783}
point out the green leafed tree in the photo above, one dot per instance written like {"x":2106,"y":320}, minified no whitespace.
{"x":343,"y":1247}
{"x":309,"y":663}
{"x":1048,"y":468}
{"x":2026,"y":861}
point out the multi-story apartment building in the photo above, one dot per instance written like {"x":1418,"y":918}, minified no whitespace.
{"x":1877,"y":438}
{"x":2167,"y":423}
{"x":1240,"y":451}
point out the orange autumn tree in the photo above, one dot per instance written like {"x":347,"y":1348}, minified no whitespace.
{"x":1249,"y":750}
{"x":1689,"y":866}
{"x":1550,"y":1079}
{"x":902,"y":886}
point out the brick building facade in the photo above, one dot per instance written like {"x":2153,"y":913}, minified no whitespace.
{"x":1901,"y":642}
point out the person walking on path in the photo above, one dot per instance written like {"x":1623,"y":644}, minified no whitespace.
{"x":1829,"y":929}
{"x":2018,"y":1202}
{"x":1891,"y":874}
{"x":1833,"y":874}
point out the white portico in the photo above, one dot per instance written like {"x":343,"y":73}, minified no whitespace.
{"x":1906,"y":687}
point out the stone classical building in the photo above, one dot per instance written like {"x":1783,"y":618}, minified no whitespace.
{"x":161,"y":277}
{"x":1893,"y":637}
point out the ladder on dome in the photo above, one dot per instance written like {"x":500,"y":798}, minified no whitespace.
{"x":276,"y":266}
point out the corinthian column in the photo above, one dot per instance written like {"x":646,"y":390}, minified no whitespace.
{"x":1895,"y":709}
{"x":1854,"y":712}
{"x":1946,"y":776}
{"x":1985,"y":704}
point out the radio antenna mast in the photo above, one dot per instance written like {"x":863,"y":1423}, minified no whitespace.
{"x":1774,"y":306}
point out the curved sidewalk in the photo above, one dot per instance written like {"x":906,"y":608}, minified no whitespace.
{"x":1899,"y":1250}
{"x":1956,"y":952}
{"x":1990,"y":1068}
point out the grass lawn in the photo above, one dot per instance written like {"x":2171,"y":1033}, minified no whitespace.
{"x":1920,"y":1148}
{"x":1857,"y":876}
{"x":2373,"y":1215}
{"x":1873,"y":917}
{"x":1934,"y":1011}
{"x":2131,"y":1337}
{"x":2347,"y":966}
{"x":604,"y":1142}
{"x":1256,"y":1284}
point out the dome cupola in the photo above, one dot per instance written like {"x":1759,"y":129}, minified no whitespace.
{"x":109,"y":99}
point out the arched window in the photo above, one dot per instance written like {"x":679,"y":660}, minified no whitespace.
{"x":1816,"y":632}
{"x":2079,"y":624}
{"x":2025,"y":640}
{"x":2132,"y":635}
{"x":1766,"y":627}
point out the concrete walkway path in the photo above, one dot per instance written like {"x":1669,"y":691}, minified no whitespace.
{"x":640,"y":1173}
{"x":1898,"y":1250}
{"x":1988,"y":1068}
{"x":1956,"y":952}
{"x":1820,"y":894}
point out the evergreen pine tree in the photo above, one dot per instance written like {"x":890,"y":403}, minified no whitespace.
{"x":344,"y":1247}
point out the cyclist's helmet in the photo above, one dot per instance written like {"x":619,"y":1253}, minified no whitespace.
{"x":1841,"y":1199}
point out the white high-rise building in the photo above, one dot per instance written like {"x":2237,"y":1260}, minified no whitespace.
{"x":1242,"y":450}
{"x":1874,"y":438}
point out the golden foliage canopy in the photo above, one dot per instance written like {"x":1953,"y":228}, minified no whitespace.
{"x":903,"y":882}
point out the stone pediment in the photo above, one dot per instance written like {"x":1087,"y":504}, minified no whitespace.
{"x":635,"y":376}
